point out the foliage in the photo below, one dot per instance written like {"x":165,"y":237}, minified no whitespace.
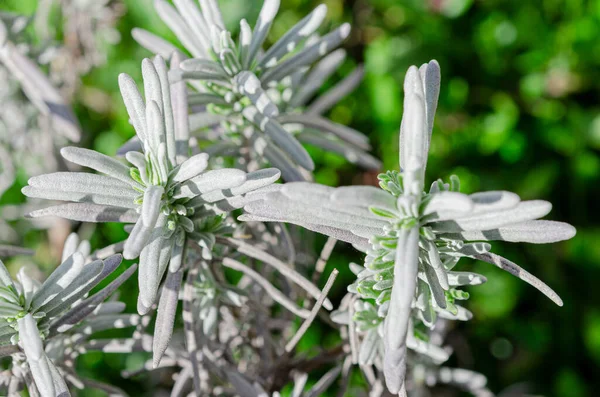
{"x":517,"y":110}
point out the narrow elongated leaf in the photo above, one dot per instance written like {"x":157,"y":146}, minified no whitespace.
{"x":225,"y":178}
{"x":82,"y":310}
{"x":181,"y":120}
{"x":195,"y":21}
{"x":288,"y":42}
{"x":537,"y":232}
{"x":154,"y":43}
{"x":521,"y":273}
{"x":524,"y":211}
{"x":99,"y":162}
{"x":405,"y":282}
{"x":493,"y":201}
{"x":136,"y":108}
{"x":153,"y":262}
{"x":307,"y":55}
{"x":263,"y":25}
{"x":350,"y":152}
{"x":177,"y":24}
{"x":167,"y":308}
{"x":326,"y":101}
{"x":58,"y":281}
{"x":317,"y":77}
{"x":88,"y":212}
{"x":33,"y":348}
{"x":313,"y":121}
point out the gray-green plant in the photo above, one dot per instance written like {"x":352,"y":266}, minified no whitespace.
{"x":413,"y":238}
{"x":245,"y":301}
{"x":41,"y":322}
{"x":255,"y":104}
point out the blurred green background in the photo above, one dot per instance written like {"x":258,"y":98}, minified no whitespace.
{"x":519,"y":110}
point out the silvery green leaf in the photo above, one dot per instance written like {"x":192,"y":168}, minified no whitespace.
{"x":88,"y":212}
{"x":109,"y":308}
{"x":176,"y":23}
{"x":364,"y":196}
{"x":436,"y":353}
{"x":413,"y":134}
{"x":87,"y":280}
{"x":396,"y":325}
{"x":521,"y":273}
{"x":430,"y":77}
{"x":98,"y":162}
{"x":195,"y":21}
{"x":136,"y":242}
{"x":167,"y":308}
{"x":202,"y":98}
{"x":346,"y":134}
{"x":78,"y":186}
{"x":277,"y":295}
{"x":259,"y":34}
{"x":166,"y":109}
{"x":524,"y":211}
{"x":10,"y":250}
{"x":225,"y":178}
{"x":76,"y":289}
{"x":181,"y":122}
{"x":281,"y":267}
{"x":28,"y":288}
{"x":436,"y":288}
{"x":317,"y":77}
{"x":493,"y":201}
{"x":433,"y":260}
{"x":323,"y":384}
{"x":70,"y":246}
{"x":306,"y":206}
{"x":326,"y":101}
{"x":176,"y":256}
{"x":447,"y":205}
{"x":60,"y":386}
{"x":248,"y":84}
{"x":456,"y":279}
{"x":368,"y":347}
{"x":230,"y":199}
{"x":290,"y":172}
{"x":153,"y":263}
{"x":537,"y":232}
{"x":136,"y":107}
{"x":48,"y":194}
{"x":211,"y":12}
{"x":282,"y":138}
{"x":154,"y":43}
{"x":307,"y":55}
{"x":82,"y":310}
{"x":461,"y":315}
{"x":288,"y":42}
{"x":352,"y":154}
{"x":58,"y":281}
{"x":33,"y":348}
{"x":254,"y":181}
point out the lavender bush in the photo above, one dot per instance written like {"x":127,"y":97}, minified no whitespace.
{"x":210,"y":225}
